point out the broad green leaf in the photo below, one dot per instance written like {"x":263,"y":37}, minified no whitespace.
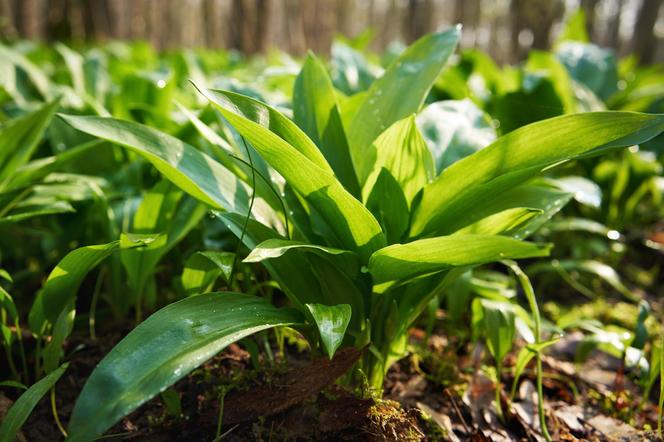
{"x":499,"y":328}
{"x":36,"y":75}
{"x":165,"y":348}
{"x":63,"y":282}
{"x":563,"y":85}
{"x":506,"y":222}
{"x":316,"y":112}
{"x":20,"y":411}
{"x":353,"y":225}
{"x":542,"y":198}
{"x":258,"y":121}
{"x":306,"y":278}
{"x":74,"y":62}
{"x":39,"y":168}
{"x":404,"y":153}
{"x":351,"y":72}
{"x":164,"y":210}
{"x":522,"y":154}
{"x":590,"y":65}
{"x":338,"y":287}
{"x":332,"y":322}
{"x":293,"y":273}
{"x":389,"y":206}
{"x":575,"y":28}
{"x":399,"y":93}
{"x":191,"y":170}
{"x":404,"y":261}
{"x":61,"y":329}
{"x":224,"y":153}
{"x":202,"y":269}
{"x":4,"y":274}
{"x":580,"y":224}
{"x":654,"y":366}
{"x":528,"y":96}
{"x":454,"y":129}
{"x":274,"y":248}
{"x":20,"y":137}
{"x":23,"y":211}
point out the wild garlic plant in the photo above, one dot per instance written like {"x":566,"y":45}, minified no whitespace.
{"x":344,"y":207}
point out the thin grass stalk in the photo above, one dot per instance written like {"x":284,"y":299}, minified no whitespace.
{"x":534,"y":310}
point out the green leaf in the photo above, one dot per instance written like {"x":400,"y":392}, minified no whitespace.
{"x":202,"y":269}
{"x":351,"y":72}
{"x":13,"y":384}
{"x":274,"y":248}
{"x":191,"y":170}
{"x":404,"y":261}
{"x":20,"y":411}
{"x":224,"y":152}
{"x":592,"y":66}
{"x":292,"y":271}
{"x":163,"y":349}
{"x":404,"y":153}
{"x":23,"y":211}
{"x":39,"y":168}
{"x":165,"y":210}
{"x":20,"y":137}
{"x":321,"y":275}
{"x":260,"y":123}
{"x":36,"y":75}
{"x":353,"y":225}
{"x":541,"y":198}
{"x":74,"y":62}
{"x":499,"y":327}
{"x":522,"y":154}
{"x":61,"y":329}
{"x":62,"y":284}
{"x":579,"y":224}
{"x":506,"y":222}
{"x":575,"y":28}
{"x":8,"y":308}
{"x":399,"y":93}
{"x":332,"y":322}
{"x":454,"y":129}
{"x":388,"y":204}
{"x":316,"y":112}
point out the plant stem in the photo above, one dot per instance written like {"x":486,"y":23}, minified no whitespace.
{"x":534,"y":311}
{"x":499,"y":405}
{"x":246,"y":221}
{"x":21,"y":350}
{"x":54,"y":409}
{"x":93,"y":304}
{"x":661,"y":390}
{"x":10,"y":361}
{"x":220,"y":418}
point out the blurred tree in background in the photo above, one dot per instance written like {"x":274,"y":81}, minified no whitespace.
{"x":505,"y":28}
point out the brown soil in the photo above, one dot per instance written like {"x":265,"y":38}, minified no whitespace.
{"x":435,"y":394}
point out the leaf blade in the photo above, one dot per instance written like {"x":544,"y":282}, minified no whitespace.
{"x":132,"y":373}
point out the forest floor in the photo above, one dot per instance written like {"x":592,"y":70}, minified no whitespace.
{"x":439,"y":392}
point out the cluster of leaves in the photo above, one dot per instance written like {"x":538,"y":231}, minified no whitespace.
{"x":367,"y":193}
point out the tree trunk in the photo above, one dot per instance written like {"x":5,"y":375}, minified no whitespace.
{"x":644,"y":36}
{"x":589,"y":7}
